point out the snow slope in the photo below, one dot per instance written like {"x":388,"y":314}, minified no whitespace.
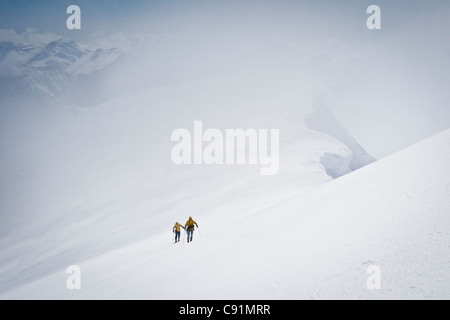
{"x":77,"y":183}
{"x":262,"y":243}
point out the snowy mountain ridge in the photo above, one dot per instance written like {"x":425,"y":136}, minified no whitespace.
{"x":105,"y":172}
{"x":54,"y":72}
{"x":323,"y":120}
{"x":392,"y":214}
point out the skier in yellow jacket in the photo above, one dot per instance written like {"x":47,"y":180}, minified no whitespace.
{"x":177,"y":230}
{"x":189,"y":227}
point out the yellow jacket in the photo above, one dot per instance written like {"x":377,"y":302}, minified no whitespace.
{"x":190,"y":225}
{"x":177,"y":227}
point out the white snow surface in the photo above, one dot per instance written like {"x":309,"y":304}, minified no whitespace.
{"x":95,"y":187}
{"x":299,"y":235}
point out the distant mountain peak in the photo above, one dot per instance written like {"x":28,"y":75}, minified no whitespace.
{"x":56,"y":71}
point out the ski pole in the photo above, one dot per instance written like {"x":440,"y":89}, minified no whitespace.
{"x":199,"y":231}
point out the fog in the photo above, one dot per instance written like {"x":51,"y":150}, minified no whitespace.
{"x":388,"y":86}
{"x":85,"y":131}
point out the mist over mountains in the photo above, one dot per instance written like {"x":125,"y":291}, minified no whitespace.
{"x":87,"y":176}
{"x":60,"y":72}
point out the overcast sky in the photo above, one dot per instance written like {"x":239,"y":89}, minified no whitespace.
{"x":390,"y":87}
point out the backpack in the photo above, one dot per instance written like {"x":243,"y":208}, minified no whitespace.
{"x":190,"y":225}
